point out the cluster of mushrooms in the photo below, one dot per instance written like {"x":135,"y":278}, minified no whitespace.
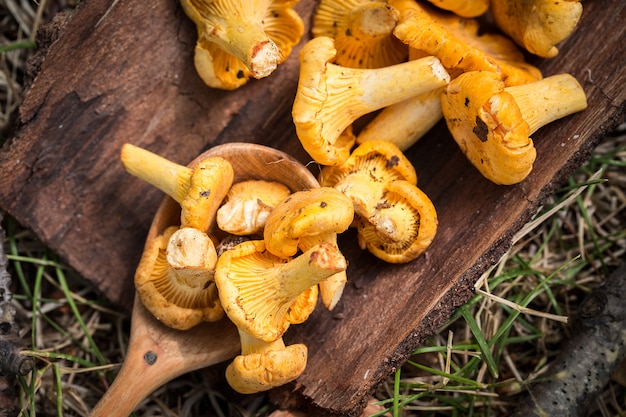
{"x":252,"y":249}
{"x":413,"y":61}
{"x":410,"y":61}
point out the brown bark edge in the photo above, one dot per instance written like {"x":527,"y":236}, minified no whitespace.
{"x":133,"y":81}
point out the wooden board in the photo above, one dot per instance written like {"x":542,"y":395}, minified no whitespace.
{"x":133,"y":82}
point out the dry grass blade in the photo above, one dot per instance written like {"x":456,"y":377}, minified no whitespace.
{"x":524,"y":301}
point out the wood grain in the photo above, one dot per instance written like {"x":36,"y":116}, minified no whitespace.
{"x":61,"y":176}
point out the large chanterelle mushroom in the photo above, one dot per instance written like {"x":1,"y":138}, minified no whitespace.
{"x":492,"y":123}
{"x":239,"y":39}
{"x":331,"y":97}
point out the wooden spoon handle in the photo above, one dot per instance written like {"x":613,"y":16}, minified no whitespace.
{"x":136,"y":380}
{"x":157,"y":354}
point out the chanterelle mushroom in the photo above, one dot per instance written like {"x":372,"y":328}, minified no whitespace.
{"x":258,"y":289}
{"x":457,"y":43}
{"x":537,"y":25}
{"x":331,"y":97}
{"x":463,"y":8}
{"x":363,"y":176}
{"x":396,"y":223}
{"x":238,"y":39}
{"x":305,"y":219}
{"x":248,"y":204}
{"x":265,"y":365}
{"x":403,"y":225}
{"x":199,"y":190}
{"x":363,"y":32}
{"x":492,"y":123}
{"x":174,"y":278}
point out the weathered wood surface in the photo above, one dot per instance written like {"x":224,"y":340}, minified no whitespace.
{"x":134,"y":82}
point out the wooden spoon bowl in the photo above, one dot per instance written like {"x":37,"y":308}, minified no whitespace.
{"x":157,"y":353}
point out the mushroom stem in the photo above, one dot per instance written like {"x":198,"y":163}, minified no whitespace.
{"x":248,"y":42}
{"x":191,"y":256}
{"x":332,"y":287}
{"x":547,"y":100}
{"x":308,"y":269}
{"x":171,"y":178}
{"x":236,"y":29}
{"x":382,"y":87}
{"x":251,"y":344}
{"x":406,"y":122}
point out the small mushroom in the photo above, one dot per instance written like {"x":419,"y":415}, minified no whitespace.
{"x":363,"y":32}
{"x":492,"y":123}
{"x":403,"y":225}
{"x":396,"y":223}
{"x":199,"y":190}
{"x":330,"y":97}
{"x":364,"y":175}
{"x":306,"y":219}
{"x":242,"y":39}
{"x":247,"y":205}
{"x":265,"y":365}
{"x":463,"y":8}
{"x":537,"y":25}
{"x":258,"y":290}
{"x":457,"y":42}
{"x":174,"y":278}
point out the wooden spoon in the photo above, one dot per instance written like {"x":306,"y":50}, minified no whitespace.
{"x":157,"y":353}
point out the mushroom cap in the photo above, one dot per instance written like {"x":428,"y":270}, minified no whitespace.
{"x":363,"y":175}
{"x":320,"y":211}
{"x":489,"y":127}
{"x":363,"y":32}
{"x":304,"y":305}
{"x":457,"y":43}
{"x":209,"y":183}
{"x":309,"y":101}
{"x":463,"y":8}
{"x":258,"y":289}
{"x":219,"y":69}
{"x":537,"y":25}
{"x":403,"y":227}
{"x":242,"y":39}
{"x":181,"y":295}
{"x":247,"y":205}
{"x":271,"y":367}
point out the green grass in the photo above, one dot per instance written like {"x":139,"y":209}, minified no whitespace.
{"x":503,"y":338}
